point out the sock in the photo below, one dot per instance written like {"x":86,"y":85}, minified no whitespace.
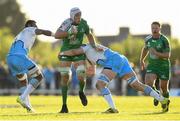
{"x":107,"y":96}
{"x":28,"y":101}
{"x":81,"y":86}
{"x":22,"y":89}
{"x":109,"y":99}
{"x":166,"y":94}
{"x":28,"y":91}
{"x":64,"y":94}
{"x":149,"y":91}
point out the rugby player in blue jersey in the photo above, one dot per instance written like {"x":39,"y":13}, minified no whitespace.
{"x":22,"y":66}
{"x":114,"y":64}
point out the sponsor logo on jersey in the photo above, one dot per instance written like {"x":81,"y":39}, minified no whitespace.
{"x":148,"y":71}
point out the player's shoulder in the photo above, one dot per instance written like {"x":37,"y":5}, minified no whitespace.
{"x":29,"y":29}
{"x":67,"y":21}
{"x":147,"y":38}
{"x":83,"y":21}
{"x":65,"y":24}
{"x":163,"y":37}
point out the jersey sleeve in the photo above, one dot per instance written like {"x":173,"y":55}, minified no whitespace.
{"x":31,"y":30}
{"x":85,"y":48}
{"x":65,"y":25}
{"x":146,"y":41}
{"x":87,"y":30}
{"x":166,"y":45}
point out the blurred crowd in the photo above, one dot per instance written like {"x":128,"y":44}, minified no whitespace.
{"x":52,"y":81}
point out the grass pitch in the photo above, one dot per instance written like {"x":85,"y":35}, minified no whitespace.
{"x":47,"y":108}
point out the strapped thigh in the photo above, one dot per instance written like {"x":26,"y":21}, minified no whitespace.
{"x":103,"y":78}
{"x":34,"y":71}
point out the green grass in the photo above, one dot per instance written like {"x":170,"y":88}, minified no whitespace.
{"x":130,"y":108}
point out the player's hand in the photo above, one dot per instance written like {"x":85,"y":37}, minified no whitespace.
{"x":152,"y":51}
{"x":98,"y":48}
{"x":73,"y":30}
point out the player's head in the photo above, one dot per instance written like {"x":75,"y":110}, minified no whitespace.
{"x":75,"y":14}
{"x":155,"y":27}
{"x":30,"y":23}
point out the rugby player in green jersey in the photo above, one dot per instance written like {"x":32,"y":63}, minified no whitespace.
{"x":72,"y":32}
{"x":158,"y":50}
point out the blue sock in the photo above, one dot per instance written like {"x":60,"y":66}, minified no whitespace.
{"x":105,"y":91}
{"x":147,"y":90}
{"x":22,"y":89}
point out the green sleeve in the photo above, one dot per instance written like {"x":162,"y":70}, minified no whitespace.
{"x":166,"y":45}
{"x":87,"y":31}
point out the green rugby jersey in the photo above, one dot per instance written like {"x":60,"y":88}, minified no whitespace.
{"x":161,"y":45}
{"x":75,"y":41}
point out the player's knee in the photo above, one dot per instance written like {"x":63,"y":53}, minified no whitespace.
{"x":103,"y":78}
{"x":102,"y":81}
{"x":164,"y":88}
{"x":21,"y":77}
{"x":81,"y":71}
{"x":36,"y":77}
{"x":100,"y":84}
{"x":65,"y":73}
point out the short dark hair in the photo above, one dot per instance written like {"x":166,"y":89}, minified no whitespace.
{"x":156,"y":23}
{"x":29,"y":22}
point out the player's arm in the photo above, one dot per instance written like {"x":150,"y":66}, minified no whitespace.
{"x":91,"y":40}
{"x":93,"y":43}
{"x":66,"y":30}
{"x":72,"y":52}
{"x":60,"y":34}
{"x":159,"y":54}
{"x":44,"y":32}
{"x":143,"y":56}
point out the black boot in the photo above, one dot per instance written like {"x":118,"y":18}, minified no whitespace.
{"x":83,"y":98}
{"x":64,"y":109}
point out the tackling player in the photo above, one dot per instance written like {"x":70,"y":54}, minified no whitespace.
{"x":114,"y":64}
{"x":22,"y":66}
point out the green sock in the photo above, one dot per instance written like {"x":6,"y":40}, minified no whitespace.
{"x":64,"y":94}
{"x":166,"y":94}
{"x":81,"y":86}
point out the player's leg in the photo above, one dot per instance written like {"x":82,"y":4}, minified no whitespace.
{"x":23,"y":82}
{"x":137,"y":85}
{"x":80,"y":71}
{"x":164,"y":84}
{"x":18,"y":65}
{"x":164,"y":75}
{"x":151,"y":78}
{"x":65,"y":75}
{"x":36,"y":78}
{"x":102,"y":81}
{"x":155,"y":87}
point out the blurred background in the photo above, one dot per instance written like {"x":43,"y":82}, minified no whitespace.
{"x":118,"y":24}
